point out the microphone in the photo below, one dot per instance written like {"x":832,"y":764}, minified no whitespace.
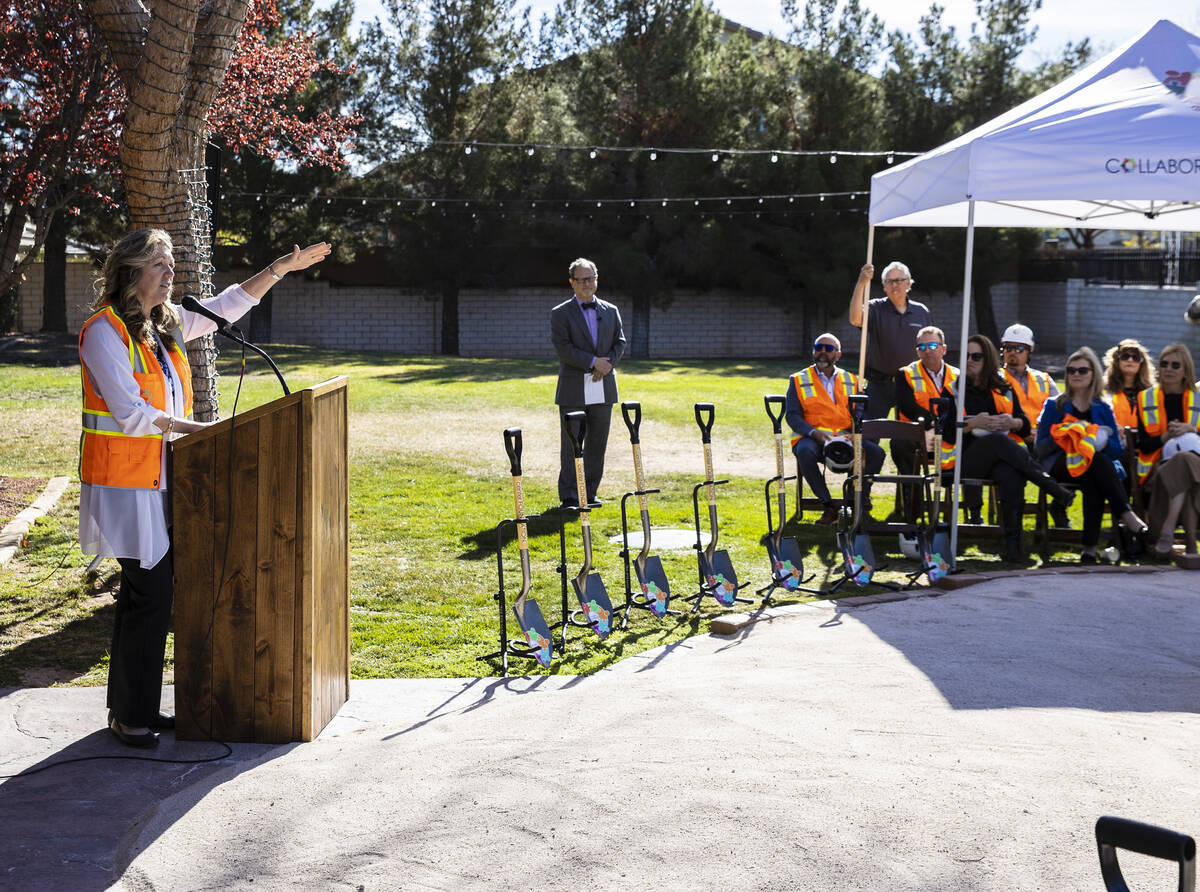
{"x":190,"y":303}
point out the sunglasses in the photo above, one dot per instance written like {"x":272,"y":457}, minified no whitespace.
{"x":975,"y":357}
{"x":928,"y":345}
{"x":1014,"y":348}
{"x":1170,"y":364}
{"x":1078,"y":369}
{"x":830,"y":348}
{"x":1125,"y":357}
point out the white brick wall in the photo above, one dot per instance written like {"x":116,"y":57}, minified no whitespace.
{"x":516,"y":322}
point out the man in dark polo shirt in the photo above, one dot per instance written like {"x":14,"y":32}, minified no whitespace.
{"x":892,"y":326}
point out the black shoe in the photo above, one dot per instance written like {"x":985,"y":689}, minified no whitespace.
{"x":595,"y":502}
{"x":569,"y":504}
{"x":162,"y":722}
{"x":1086,"y":558}
{"x":141,"y":741}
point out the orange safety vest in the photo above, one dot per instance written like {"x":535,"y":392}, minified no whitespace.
{"x":107,"y":455}
{"x":1033,"y":400}
{"x":1154,"y":420}
{"x":819,"y":411}
{"x":1124,"y":411}
{"x":924,"y":390}
{"x":1003,"y":406}
{"x":1078,"y":440}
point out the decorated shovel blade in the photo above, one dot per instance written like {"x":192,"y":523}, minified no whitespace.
{"x":536,"y":631}
{"x":655,"y":588}
{"x":858,"y":557}
{"x":939,"y":554}
{"x":723,"y":579}
{"x":597,"y":608}
{"x":788,"y":563}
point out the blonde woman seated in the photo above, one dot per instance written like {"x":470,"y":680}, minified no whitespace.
{"x":1078,"y":442}
{"x":1168,"y":420}
{"x":1127,"y":372}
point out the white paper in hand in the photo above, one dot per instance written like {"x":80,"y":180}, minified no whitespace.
{"x":593,"y":391}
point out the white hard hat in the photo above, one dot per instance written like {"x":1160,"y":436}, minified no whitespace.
{"x":839,"y":454}
{"x":1018,"y":334}
{"x":910,"y":546}
{"x":1192,"y":314}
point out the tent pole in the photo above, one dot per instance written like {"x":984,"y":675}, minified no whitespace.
{"x":961,"y":396}
{"x":862,"y":339}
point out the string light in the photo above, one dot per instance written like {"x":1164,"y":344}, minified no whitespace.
{"x":774,"y":157}
{"x":592,"y":155}
{"x":593,"y":151}
{"x":833,"y":158}
{"x":466,"y":150}
{"x":891,"y":158}
{"x":653,"y":155}
{"x":716,"y":156}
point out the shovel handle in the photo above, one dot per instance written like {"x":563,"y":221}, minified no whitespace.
{"x":702,"y":410}
{"x":776,"y":401}
{"x":512,"y":445}
{"x":632,"y":413}
{"x":939,"y":406}
{"x":576,"y":426}
{"x":858,"y":407}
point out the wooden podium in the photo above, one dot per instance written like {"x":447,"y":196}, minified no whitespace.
{"x":261,"y":538}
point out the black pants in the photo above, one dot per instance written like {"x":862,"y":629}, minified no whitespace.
{"x":1000,"y":458}
{"x":135,"y":668}
{"x":595,"y":442}
{"x":909,"y":498}
{"x":881,"y":397}
{"x":1098,"y":484}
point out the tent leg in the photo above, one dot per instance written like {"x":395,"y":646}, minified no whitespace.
{"x":962,"y":390}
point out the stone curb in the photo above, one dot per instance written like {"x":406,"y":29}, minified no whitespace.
{"x":14,"y":533}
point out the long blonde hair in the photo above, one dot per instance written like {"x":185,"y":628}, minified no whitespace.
{"x":1095,"y":388}
{"x":1185,"y":356}
{"x":117,"y":286}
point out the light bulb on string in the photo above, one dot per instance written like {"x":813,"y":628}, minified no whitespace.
{"x":833,"y":158}
{"x":716,"y":156}
{"x":774,"y":158}
{"x":592,"y":154}
{"x":529,"y":150}
{"x":466,"y":150}
{"x":890,"y":158}
{"x":653,"y":155}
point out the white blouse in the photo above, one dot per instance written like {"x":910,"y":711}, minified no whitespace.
{"x":117,"y":521}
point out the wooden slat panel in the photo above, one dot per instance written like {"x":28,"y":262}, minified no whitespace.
{"x":275,"y":586}
{"x":331,"y":663}
{"x":233,"y":634}
{"x":192,"y":482}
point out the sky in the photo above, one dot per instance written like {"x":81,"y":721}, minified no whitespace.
{"x":1107,"y":22}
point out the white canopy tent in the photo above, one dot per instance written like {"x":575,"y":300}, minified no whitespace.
{"x":1114,"y":146}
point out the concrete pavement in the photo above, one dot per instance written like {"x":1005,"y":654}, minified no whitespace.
{"x":967,"y":741}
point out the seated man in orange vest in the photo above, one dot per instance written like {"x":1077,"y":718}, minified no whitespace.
{"x":920,"y":381}
{"x":1031,"y":388}
{"x":818,"y":407}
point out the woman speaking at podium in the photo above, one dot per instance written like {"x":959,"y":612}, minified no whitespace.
{"x":137,"y":394}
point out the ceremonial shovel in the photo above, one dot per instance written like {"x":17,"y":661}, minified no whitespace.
{"x":787,"y":562}
{"x":650,"y":573}
{"x":528,"y":614}
{"x":589,"y":587}
{"x":857,"y":553}
{"x":938,"y":556}
{"x":720,"y":580}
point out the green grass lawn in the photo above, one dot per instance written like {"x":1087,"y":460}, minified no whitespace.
{"x":429,"y":480}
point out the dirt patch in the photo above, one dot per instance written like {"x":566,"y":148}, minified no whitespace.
{"x":17,"y":494}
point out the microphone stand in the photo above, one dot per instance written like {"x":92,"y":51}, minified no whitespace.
{"x":234,"y":335}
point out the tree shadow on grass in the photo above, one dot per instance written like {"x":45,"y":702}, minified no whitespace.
{"x":75,"y":648}
{"x":51,"y":350}
{"x":482,"y":544}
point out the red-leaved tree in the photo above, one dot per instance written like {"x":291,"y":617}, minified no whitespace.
{"x":130,"y":91}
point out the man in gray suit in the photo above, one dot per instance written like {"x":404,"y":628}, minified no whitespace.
{"x":586,"y":333}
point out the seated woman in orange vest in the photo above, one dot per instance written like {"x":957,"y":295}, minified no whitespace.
{"x":1127,"y":372}
{"x":137,"y":394}
{"x":1078,"y":442}
{"x":995,"y":445}
{"x":1168,"y":420}
{"x":818,"y":407}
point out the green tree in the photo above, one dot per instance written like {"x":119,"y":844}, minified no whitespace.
{"x":444,"y":72}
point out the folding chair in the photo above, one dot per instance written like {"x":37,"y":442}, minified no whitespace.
{"x":906,"y":431}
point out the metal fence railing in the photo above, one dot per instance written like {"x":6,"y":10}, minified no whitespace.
{"x":1116,"y":266}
